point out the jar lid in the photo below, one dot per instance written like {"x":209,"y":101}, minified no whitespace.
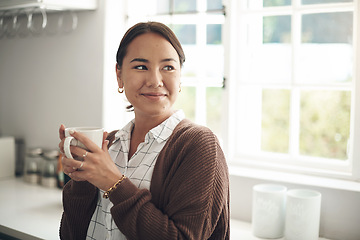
{"x":51,"y":154}
{"x":34,"y":152}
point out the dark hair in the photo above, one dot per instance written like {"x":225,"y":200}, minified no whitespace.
{"x":148,"y":27}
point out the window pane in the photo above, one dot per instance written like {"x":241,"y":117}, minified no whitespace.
{"x":267,"y":57}
{"x":184,"y":5}
{"x":327,"y":27}
{"x":186,"y":101}
{"x":275,"y":3}
{"x":190,"y":68}
{"x":326,"y":55}
{"x":203,"y":62}
{"x":214,"y":4}
{"x":277,"y":29}
{"x":186,"y":33}
{"x":325,"y":123}
{"x":324,"y":1}
{"x":270,"y":63}
{"x":163,"y":7}
{"x":327,"y":63}
{"x":248,"y":120}
{"x":214,"y":107}
{"x":275,"y":120}
{"x":213,"y":59}
{"x":213,"y":33}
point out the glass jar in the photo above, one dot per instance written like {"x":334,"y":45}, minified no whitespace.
{"x":49,"y":170}
{"x":33,"y":163}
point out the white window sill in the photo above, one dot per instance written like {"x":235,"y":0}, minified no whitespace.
{"x":242,"y":230}
{"x":270,"y":175}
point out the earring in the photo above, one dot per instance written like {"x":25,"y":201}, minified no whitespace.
{"x":120,"y":90}
{"x":179,"y":87}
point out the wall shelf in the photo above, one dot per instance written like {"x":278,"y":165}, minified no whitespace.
{"x":51,"y":5}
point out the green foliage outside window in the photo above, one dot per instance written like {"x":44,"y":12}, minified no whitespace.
{"x":325,"y":123}
{"x":275,"y":120}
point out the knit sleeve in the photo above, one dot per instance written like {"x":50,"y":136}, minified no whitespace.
{"x":79,"y":203}
{"x":189,"y":193}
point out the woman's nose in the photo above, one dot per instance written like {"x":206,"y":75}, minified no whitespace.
{"x":155,"y":79}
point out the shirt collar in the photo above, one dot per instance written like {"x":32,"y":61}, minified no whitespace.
{"x":160,"y":133}
{"x":163,"y":131}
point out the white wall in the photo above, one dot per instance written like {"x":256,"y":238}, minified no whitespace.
{"x":48,"y":80}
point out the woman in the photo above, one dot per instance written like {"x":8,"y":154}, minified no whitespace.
{"x":163,"y":177}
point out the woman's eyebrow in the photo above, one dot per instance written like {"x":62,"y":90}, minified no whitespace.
{"x":139,"y":60}
{"x":146,"y":61}
{"x":168,"y":60}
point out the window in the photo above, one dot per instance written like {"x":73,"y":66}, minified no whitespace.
{"x":290,"y":95}
{"x":198,"y":25}
{"x":295,"y":78}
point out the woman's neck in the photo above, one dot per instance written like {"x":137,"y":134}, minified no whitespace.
{"x":143,"y":124}
{"x":141,"y":127}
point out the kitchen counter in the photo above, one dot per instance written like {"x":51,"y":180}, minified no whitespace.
{"x":29,"y":211}
{"x":32,"y":212}
{"x":242,"y":231}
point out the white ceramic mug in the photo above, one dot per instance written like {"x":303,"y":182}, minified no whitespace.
{"x":302,"y":214}
{"x":268,"y":210}
{"x":95,"y":134}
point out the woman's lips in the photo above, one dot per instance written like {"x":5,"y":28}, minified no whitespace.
{"x":154,"y":96}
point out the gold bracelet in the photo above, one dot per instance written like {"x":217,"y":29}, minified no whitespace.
{"x":107,"y":193}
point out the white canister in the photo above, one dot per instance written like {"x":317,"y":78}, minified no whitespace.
{"x":302,"y":214}
{"x":7,"y":157}
{"x":268,"y":210}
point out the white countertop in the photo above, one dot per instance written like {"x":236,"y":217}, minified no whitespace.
{"x":29,"y":211}
{"x":32,"y":212}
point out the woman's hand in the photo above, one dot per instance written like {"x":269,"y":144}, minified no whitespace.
{"x":67,"y":169}
{"x":97,"y":166}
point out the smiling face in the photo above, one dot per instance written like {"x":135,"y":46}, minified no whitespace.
{"x":150,"y":75}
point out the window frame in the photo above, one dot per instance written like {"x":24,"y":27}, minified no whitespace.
{"x":349,"y":170}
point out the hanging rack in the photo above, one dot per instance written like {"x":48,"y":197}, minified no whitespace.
{"x":57,"y":5}
{"x":24,"y":17}
{"x":34,"y":21}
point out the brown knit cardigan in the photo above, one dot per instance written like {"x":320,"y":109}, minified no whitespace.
{"x":188,"y":197}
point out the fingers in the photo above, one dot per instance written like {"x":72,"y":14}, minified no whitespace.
{"x":79,"y":152}
{"x":79,"y":167}
{"x":62,"y":131}
{"x":85,"y":140}
{"x":61,"y":146}
{"x":62,"y":137}
{"x":76,"y":175}
{"x":105,"y":142}
{"x":105,"y":145}
{"x":73,"y":168}
{"x":70,"y":164}
{"x":105,"y":136}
